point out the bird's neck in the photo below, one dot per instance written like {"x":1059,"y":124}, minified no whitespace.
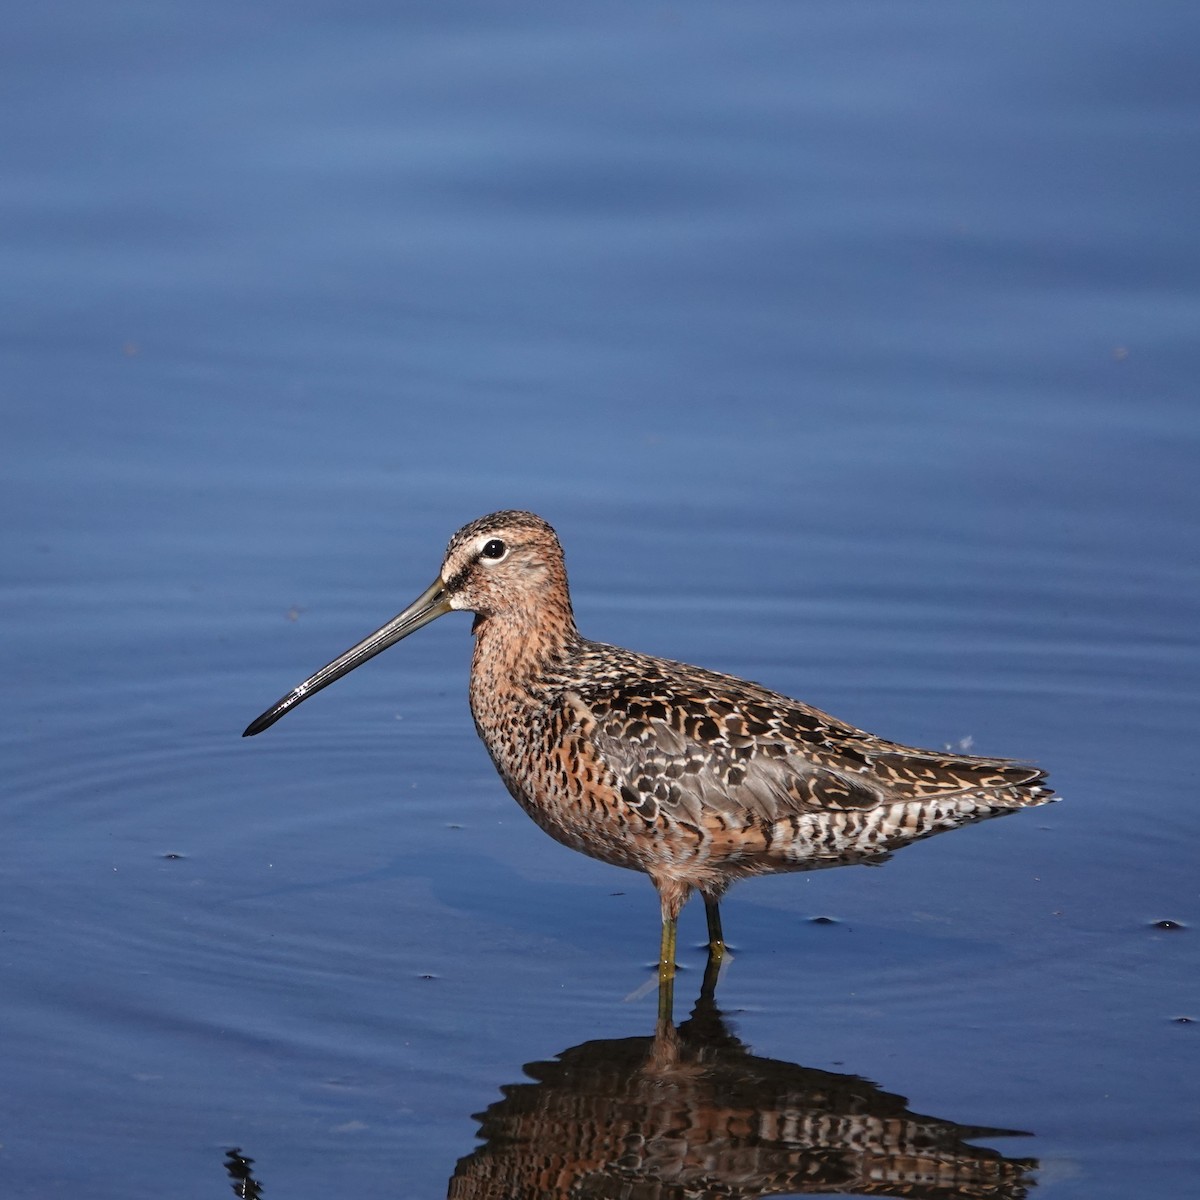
{"x":520,"y":655}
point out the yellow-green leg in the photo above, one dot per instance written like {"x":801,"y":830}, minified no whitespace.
{"x":716,"y":939}
{"x":666,"y":952}
{"x":708,"y":985}
{"x":666,"y":970}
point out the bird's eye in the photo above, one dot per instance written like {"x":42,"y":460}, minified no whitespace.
{"x":494,"y":549}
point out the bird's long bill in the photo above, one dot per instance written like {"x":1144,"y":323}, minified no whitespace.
{"x":430,"y":605}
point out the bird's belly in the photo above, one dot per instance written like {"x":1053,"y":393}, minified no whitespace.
{"x":585,"y":822}
{"x":555,"y":776}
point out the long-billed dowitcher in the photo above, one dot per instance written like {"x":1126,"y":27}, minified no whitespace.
{"x":697,"y":779}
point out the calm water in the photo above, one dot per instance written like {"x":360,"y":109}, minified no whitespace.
{"x":850,"y":347}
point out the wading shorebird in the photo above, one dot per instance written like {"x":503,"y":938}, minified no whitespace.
{"x":696,"y":778}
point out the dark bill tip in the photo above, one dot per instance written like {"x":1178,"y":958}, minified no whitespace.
{"x":271,"y":715}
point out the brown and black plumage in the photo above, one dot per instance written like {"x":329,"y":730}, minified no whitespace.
{"x":696,"y":778}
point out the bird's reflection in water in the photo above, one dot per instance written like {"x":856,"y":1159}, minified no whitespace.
{"x":690,"y":1114}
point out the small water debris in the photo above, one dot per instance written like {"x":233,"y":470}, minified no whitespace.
{"x":172,"y":856}
{"x":1169,"y":926}
{"x":823,"y":921}
{"x":1183,"y":1020}
{"x":240,"y":1170}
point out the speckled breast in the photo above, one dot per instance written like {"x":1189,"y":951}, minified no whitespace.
{"x":548,"y":764}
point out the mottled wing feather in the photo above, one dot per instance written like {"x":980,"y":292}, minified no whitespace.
{"x":700,"y":745}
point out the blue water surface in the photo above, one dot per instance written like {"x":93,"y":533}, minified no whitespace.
{"x":850,"y":347}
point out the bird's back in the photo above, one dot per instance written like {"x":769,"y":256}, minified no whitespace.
{"x":778,"y":783}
